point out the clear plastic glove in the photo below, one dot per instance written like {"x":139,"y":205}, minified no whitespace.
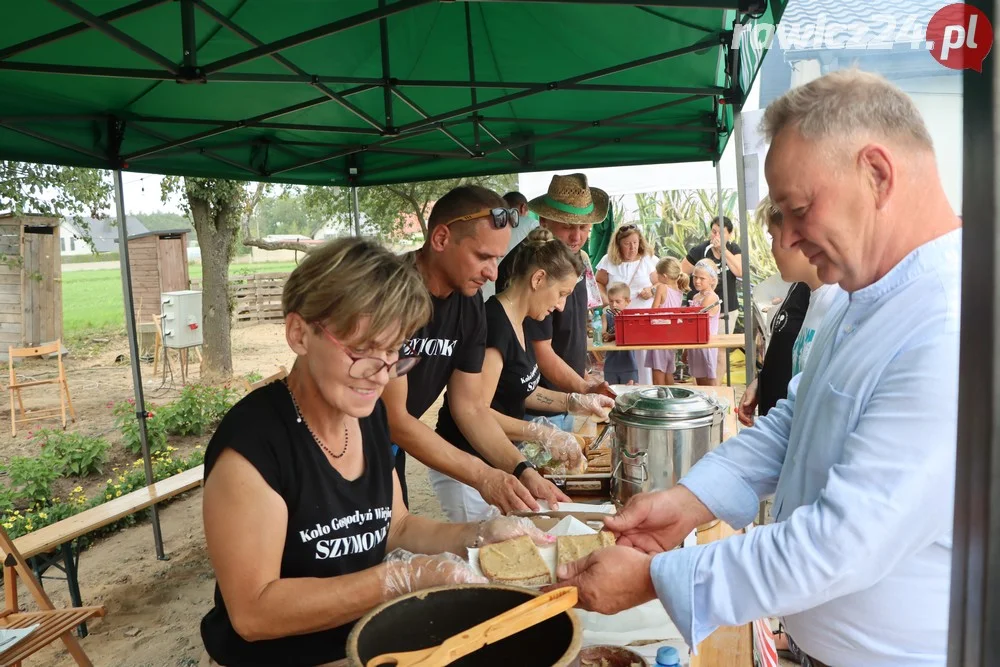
{"x":592,"y":405}
{"x":496,"y":528}
{"x":553,"y":450}
{"x":406,"y":572}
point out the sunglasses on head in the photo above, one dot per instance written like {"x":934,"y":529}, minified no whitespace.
{"x":627,"y":228}
{"x":499,"y":217}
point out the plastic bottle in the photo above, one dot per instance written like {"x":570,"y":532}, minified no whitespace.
{"x":667,"y":656}
{"x":598,"y":329}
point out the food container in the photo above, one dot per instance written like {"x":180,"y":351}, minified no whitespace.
{"x":660,"y":432}
{"x":610,"y":656}
{"x":429,"y":617}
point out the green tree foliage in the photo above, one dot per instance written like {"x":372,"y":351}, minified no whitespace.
{"x":386,"y":208}
{"x":50,"y":190}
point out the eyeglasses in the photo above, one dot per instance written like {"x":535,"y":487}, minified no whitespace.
{"x":627,"y":228}
{"x":500,"y":217}
{"x":366,"y":367}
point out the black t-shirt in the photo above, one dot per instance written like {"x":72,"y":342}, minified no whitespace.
{"x":567,"y":329}
{"x":454,"y":339}
{"x":335,"y":526}
{"x":704,"y":251}
{"x":518,"y":378}
{"x":772,"y":385}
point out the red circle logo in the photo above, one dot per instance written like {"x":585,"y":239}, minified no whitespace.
{"x":960,"y":37}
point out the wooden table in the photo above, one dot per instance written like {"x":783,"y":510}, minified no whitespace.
{"x":714,"y":342}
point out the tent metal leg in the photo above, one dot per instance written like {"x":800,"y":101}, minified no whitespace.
{"x":357,"y":210}
{"x":133,"y":348}
{"x":741,"y":195}
{"x":975,"y":567}
{"x":724,"y":315}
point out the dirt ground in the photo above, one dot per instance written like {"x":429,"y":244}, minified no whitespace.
{"x":153,"y":607}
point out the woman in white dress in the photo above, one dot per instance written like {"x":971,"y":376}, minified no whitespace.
{"x":630,"y":260}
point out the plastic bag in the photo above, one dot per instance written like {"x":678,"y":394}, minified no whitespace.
{"x":552,"y":451}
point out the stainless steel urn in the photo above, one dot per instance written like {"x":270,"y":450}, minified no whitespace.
{"x":660,"y":433}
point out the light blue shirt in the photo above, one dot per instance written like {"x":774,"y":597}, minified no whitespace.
{"x":861,"y":459}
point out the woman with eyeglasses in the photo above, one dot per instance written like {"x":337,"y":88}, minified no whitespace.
{"x":630,"y":260}
{"x":301,"y":502}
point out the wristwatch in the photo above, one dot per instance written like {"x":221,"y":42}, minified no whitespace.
{"x":522,"y":466}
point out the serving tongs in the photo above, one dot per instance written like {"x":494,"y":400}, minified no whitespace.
{"x":596,"y":444}
{"x":499,"y":627}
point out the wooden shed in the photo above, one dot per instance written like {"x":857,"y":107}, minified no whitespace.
{"x":159,"y":263}
{"x":30,"y":281}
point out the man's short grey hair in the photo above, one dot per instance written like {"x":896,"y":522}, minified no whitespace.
{"x":845,"y":104}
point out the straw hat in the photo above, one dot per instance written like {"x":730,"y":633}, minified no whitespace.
{"x":571,"y":201}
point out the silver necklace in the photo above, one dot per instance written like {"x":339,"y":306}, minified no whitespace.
{"x":316,"y":438}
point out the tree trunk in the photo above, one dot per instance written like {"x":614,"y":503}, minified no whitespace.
{"x":215,"y":231}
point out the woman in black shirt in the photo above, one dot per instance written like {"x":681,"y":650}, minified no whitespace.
{"x":544,"y":273}
{"x":301,"y":501}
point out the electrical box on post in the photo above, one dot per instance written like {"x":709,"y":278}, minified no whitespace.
{"x":181,"y":318}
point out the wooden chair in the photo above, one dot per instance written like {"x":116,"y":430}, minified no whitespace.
{"x":15,"y":387}
{"x":280,"y":375}
{"x":52,"y":623}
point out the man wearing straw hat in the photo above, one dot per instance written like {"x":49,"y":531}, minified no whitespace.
{"x":569,"y":209}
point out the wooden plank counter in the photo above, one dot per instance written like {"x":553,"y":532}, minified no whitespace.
{"x":714,"y":342}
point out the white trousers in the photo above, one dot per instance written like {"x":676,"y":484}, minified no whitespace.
{"x":461,"y":503}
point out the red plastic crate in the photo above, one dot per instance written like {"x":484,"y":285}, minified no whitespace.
{"x":661,"y":326}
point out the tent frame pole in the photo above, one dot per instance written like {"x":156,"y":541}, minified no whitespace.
{"x":133,"y":349}
{"x":975,"y":572}
{"x":357,"y":210}
{"x":741,"y":194}
{"x":724,"y":315}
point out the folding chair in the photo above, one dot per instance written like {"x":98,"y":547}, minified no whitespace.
{"x":52,"y":623}
{"x":15,"y":387}
{"x":280,"y":375}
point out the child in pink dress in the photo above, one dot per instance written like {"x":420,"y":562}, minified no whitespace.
{"x":670,"y":288}
{"x":703,"y":363}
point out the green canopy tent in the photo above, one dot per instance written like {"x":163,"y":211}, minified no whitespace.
{"x":363,"y":92}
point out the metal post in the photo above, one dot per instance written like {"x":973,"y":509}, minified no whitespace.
{"x":741,"y":195}
{"x":133,"y":349}
{"x":724,"y":315}
{"x":357,"y":210}
{"x":975,"y":566}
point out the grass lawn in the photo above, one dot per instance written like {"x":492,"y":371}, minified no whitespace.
{"x":92,"y":300}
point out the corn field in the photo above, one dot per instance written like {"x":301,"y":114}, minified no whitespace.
{"x":675,"y":220}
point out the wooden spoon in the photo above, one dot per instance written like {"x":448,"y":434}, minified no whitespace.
{"x":499,"y":627}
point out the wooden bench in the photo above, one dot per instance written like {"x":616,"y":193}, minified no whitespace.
{"x":46,"y":546}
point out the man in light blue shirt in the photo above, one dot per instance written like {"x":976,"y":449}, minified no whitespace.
{"x":861,"y":456}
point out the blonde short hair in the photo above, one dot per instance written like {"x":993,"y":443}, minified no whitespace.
{"x":619,"y":289}
{"x":767,"y":213}
{"x":847,"y":103}
{"x":623,"y":232}
{"x":348,"y":279}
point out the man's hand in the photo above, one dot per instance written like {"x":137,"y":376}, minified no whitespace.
{"x":656,"y":522}
{"x":748,"y":404}
{"x":609,"y":580}
{"x":506,"y":492}
{"x":543,"y":489}
{"x":646,"y":293}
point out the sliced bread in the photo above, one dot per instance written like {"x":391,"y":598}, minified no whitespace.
{"x":571,"y":548}
{"x":515,"y":562}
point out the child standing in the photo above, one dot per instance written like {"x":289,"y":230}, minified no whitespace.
{"x":703,"y":363}
{"x":670,"y":289}
{"x":619,"y":367}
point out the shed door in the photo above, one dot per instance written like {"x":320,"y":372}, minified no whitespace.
{"x":173,"y":263}
{"x":41,"y":285}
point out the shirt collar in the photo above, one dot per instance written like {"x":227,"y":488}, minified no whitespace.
{"x":945,"y":250}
